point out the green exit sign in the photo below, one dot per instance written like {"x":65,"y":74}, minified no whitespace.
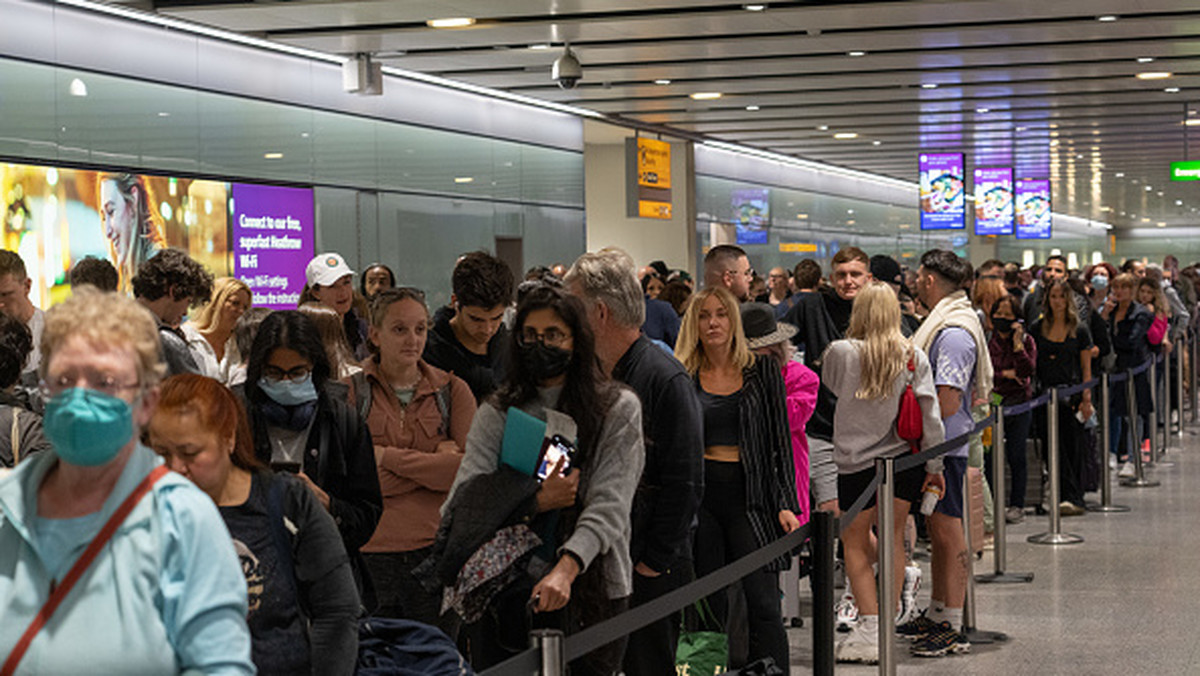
{"x":1185,"y":171}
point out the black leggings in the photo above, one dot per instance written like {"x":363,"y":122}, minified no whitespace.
{"x":725,"y":535}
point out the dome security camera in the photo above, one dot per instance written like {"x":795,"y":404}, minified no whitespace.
{"x":566,"y":71}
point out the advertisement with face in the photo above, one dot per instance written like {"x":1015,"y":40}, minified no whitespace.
{"x":943,"y":194}
{"x":752,"y":214}
{"x":1033,"y":210}
{"x":272,"y":241}
{"x":54,"y":217}
{"x":994,"y":201}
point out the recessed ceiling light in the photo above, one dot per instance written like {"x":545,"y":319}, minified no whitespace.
{"x":929,"y":85}
{"x":754,"y":8}
{"x":540,"y":45}
{"x":845,"y":135}
{"x":303,"y":134}
{"x":706,"y":96}
{"x":1022,"y":128}
{"x":1153,"y":75}
{"x":1194,"y":122}
{"x":464,"y":179}
{"x":856,"y":53}
{"x":164,"y":114}
{"x":876,"y":143}
{"x":981,"y":110}
{"x":1119,"y":174}
{"x":1178,"y":203}
{"x":1159,"y":193}
{"x":751,"y":108}
{"x":77,"y":88}
{"x":1162,"y":224}
{"x":1145,"y":59}
{"x":451,"y":22}
{"x":823,"y":127}
{"x":1106,"y":18}
{"x":272,"y":156}
{"x":1149,"y":188}
{"x":662,"y":81}
{"x":1172,"y":90}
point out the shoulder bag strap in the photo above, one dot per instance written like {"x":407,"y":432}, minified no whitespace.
{"x":15,"y":437}
{"x":59,"y":593}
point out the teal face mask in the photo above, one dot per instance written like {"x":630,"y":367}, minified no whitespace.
{"x":86,"y":427}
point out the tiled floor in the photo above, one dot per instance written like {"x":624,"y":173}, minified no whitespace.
{"x":1125,"y":601}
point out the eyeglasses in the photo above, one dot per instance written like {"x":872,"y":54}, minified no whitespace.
{"x":551,"y":337}
{"x":295,"y":375}
{"x":92,"y":380}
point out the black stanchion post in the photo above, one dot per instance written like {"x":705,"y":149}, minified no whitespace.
{"x":1194,"y":344}
{"x":824,"y":533}
{"x":1180,"y":352}
{"x":1106,"y":504}
{"x":999,"y":489}
{"x":1054,"y":536}
{"x":973,"y":633}
{"x":1139,"y":479}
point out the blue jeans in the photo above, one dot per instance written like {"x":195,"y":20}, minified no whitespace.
{"x":1016,"y":434}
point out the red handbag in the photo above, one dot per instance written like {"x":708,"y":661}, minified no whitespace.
{"x":910,"y":423}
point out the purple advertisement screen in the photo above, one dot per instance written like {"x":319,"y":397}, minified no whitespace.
{"x":1033,"y":210}
{"x":943,"y":191}
{"x":272,"y":241}
{"x":994,"y":201}
{"x":752,"y":214}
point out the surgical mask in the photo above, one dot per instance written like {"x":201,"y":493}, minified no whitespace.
{"x":544,"y":362}
{"x":1099,"y":282}
{"x":1003,"y":324}
{"x":289,"y":392}
{"x":86,"y":427}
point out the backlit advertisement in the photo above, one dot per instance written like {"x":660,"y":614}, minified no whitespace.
{"x":943,"y":196}
{"x":994,"y":208}
{"x":1033,"y":210}
{"x":752,"y":214}
{"x":53,"y":217}
{"x":273,"y":240}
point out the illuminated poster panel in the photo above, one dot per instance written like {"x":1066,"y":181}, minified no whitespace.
{"x":943,"y":196}
{"x":1033,"y":209}
{"x":273,"y":240}
{"x":994,"y":210}
{"x":752,"y":214}
{"x":53,"y":217}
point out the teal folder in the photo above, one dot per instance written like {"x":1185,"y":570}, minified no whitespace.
{"x":524,"y":436}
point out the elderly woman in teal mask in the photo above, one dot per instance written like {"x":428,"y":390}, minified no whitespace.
{"x":159,"y":589}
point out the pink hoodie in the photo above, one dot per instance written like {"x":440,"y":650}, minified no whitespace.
{"x":801,"y":384}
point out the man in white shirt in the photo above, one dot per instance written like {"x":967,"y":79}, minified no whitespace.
{"x":15,"y":285}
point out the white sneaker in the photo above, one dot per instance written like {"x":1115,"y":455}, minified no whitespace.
{"x":846,"y":613}
{"x":861,"y":644}
{"x":908,"y":595}
{"x":1112,"y":461}
{"x":1127,"y":471}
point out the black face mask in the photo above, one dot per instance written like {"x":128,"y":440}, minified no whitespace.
{"x":544,"y":362}
{"x":1003,"y":324}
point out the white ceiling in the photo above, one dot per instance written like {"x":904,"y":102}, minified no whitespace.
{"x":1040,"y":85}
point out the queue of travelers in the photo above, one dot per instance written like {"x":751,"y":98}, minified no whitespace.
{"x":488,"y":468}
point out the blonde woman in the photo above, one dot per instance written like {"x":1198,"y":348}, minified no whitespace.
{"x":749,"y":478}
{"x":210,"y":334}
{"x":868,"y":372}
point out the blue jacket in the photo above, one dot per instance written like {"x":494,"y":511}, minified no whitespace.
{"x":165,"y":595}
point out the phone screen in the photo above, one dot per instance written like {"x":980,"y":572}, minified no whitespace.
{"x":557,"y":448}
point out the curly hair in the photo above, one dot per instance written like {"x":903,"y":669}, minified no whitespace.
{"x":95,"y":271}
{"x":173,"y":271}
{"x":482,"y":280}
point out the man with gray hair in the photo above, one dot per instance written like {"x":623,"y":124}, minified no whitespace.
{"x":672,"y":484}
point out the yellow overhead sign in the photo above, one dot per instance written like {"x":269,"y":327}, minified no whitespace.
{"x":653,"y":163}
{"x":797,"y":247}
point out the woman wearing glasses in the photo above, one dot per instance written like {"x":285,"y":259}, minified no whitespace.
{"x":419,"y":416}
{"x":164,"y":593}
{"x":582,"y":516}
{"x":749,"y":475}
{"x":302,"y":425}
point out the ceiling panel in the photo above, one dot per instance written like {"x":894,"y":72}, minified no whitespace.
{"x":1045,"y":86}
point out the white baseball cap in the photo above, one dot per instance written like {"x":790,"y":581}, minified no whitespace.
{"x":326,"y":268}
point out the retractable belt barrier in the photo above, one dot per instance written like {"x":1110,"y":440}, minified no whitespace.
{"x":612,"y":629}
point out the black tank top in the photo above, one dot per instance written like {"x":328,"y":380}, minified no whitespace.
{"x":722,"y":423}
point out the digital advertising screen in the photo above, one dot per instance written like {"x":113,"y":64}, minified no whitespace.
{"x":1033,"y":210}
{"x":943,"y":191}
{"x":994,"y":208}
{"x":752,"y":214}
{"x":53,"y":217}
{"x":273,"y":238}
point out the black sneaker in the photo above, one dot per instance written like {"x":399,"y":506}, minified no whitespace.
{"x":941,"y":641}
{"x":916,"y":628}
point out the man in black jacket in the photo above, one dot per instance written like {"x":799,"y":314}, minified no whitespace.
{"x":468,"y":337}
{"x":167,"y":285}
{"x":672,"y":485}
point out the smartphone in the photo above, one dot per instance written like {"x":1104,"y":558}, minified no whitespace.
{"x":288,"y":467}
{"x":556,"y":447}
